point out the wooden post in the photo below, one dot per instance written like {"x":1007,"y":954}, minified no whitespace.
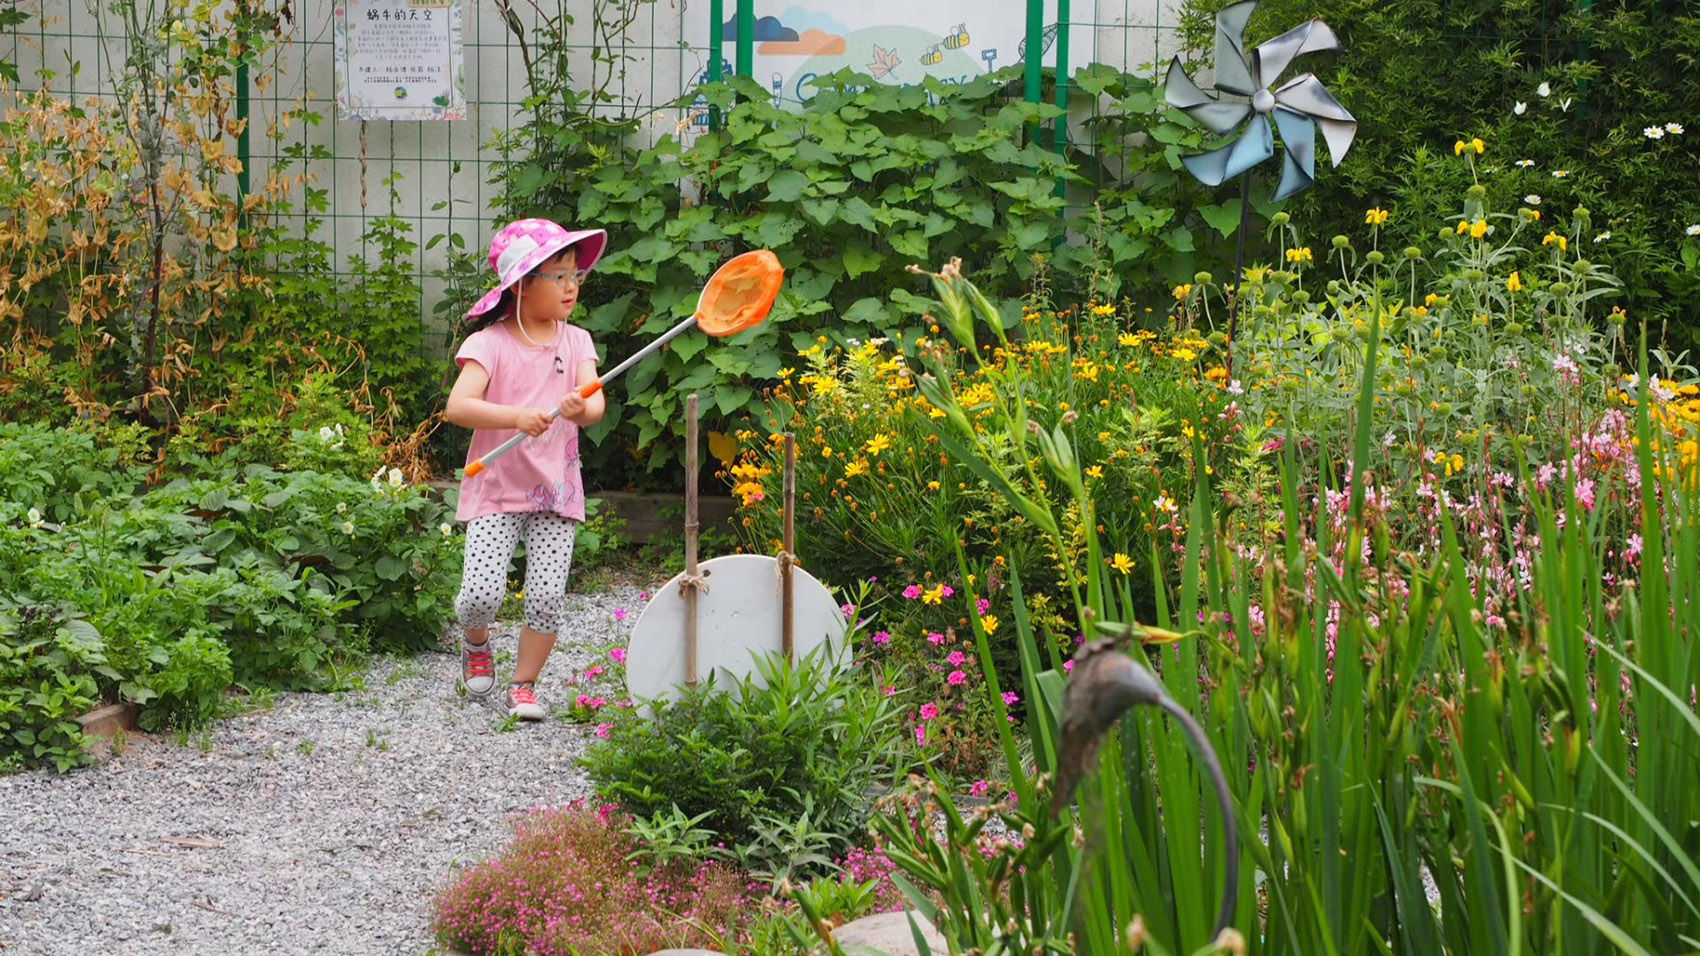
{"x":690,"y":589}
{"x":788,"y":637}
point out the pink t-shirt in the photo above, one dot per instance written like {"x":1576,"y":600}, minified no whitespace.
{"x":541,"y":473}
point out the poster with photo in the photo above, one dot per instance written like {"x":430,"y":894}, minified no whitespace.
{"x":893,"y":41}
{"x":399,"y":60}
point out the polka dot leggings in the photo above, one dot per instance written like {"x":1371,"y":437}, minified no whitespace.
{"x":490,"y":544}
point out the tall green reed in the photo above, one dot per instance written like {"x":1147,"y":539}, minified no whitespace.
{"x":1409,"y":777}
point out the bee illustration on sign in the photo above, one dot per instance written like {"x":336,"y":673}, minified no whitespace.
{"x":957,"y":38}
{"x":401,"y":92}
{"x":932,"y":56}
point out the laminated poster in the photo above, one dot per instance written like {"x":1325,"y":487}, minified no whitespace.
{"x":399,"y":60}
{"x":898,"y":42}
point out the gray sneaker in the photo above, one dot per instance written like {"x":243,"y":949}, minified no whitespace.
{"x":477,"y":668}
{"x":522,"y":702}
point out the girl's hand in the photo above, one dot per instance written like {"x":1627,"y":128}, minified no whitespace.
{"x":532,"y":422}
{"x":572,"y":406}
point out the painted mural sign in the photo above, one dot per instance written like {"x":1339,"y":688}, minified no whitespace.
{"x":899,"y":42}
{"x":399,"y":60}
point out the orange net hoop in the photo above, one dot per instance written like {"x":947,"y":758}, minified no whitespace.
{"x":740,"y":293}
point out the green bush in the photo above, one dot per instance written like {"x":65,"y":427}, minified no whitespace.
{"x":1421,"y":75}
{"x":778,"y":766}
{"x":49,"y":469}
{"x":46,"y":659}
{"x":262,"y":578}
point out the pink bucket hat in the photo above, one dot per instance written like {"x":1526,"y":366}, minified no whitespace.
{"x":524,"y":245}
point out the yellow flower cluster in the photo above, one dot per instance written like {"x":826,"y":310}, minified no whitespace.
{"x":748,"y":486}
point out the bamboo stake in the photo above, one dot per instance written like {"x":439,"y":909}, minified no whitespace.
{"x":691,"y":580}
{"x":788,"y":639}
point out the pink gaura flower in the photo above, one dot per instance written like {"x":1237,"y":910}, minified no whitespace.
{"x":890,"y":690}
{"x":882,"y":637}
{"x":848,"y":610}
{"x":979,"y":788}
{"x":1011,"y":697}
{"x":982,"y":606}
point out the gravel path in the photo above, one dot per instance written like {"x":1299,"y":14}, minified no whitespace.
{"x":323,"y":825}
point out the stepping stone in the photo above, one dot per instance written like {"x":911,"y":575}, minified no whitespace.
{"x":888,"y":933}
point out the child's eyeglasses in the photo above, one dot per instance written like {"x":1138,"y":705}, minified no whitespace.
{"x":576,"y":275}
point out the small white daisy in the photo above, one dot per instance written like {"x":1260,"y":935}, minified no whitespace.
{"x":1525,"y":163}
{"x":348,"y":527}
{"x":1560,"y":173}
{"x":1694,"y":230}
{"x":1532,"y":199}
{"x":446,"y":529}
{"x":1654,"y":132}
{"x":1675,"y":129}
{"x":396,"y":478}
{"x":1602,"y":237}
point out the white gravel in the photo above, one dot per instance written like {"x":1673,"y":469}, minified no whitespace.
{"x":323,"y":825}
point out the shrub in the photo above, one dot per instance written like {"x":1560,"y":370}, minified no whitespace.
{"x":567,"y":886}
{"x":1592,"y":80}
{"x":778,"y":766}
{"x":46,"y":660}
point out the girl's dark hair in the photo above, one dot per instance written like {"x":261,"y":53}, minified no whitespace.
{"x":503,"y":308}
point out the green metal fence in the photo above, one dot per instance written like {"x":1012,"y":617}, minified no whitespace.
{"x":442,"y":169}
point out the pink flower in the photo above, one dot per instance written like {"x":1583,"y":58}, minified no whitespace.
{"x":929,"y":710}
{"x":948,"y":590}
{"x":921,"y":734}
{"x":1632,"y":548}
{"x":643,"y":596}
{"x":618,"y":654}
{"x":1585,"y":493}
{"x":1011,"y":697}
{"x":979,"y":788}
{"x":982,"y":606}
{"x":912,"y":592}
{"x":604,"y":730}
{"x":957,"y":678}
{"x":619,"y":614}
{"x":956,"y":658}
{"x":935,"y":638}
{"x":890,"y":690}
{"x":591,"y":673}
{"x":882,"y":637}
{"x":1068,"y":665}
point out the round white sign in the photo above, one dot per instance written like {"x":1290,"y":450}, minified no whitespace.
{"x":738,"y":619}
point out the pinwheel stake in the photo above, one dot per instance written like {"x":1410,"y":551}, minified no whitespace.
{"x":1298,"y":107}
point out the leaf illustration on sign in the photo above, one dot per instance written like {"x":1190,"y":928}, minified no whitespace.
{"x":884,"y":62}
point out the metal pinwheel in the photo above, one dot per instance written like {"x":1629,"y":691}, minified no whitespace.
{"x":1298,"y":107}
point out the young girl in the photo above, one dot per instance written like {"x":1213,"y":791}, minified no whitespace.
{"x":521,"y":361}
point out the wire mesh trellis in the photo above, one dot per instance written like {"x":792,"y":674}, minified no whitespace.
{"x":441,"y":171}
